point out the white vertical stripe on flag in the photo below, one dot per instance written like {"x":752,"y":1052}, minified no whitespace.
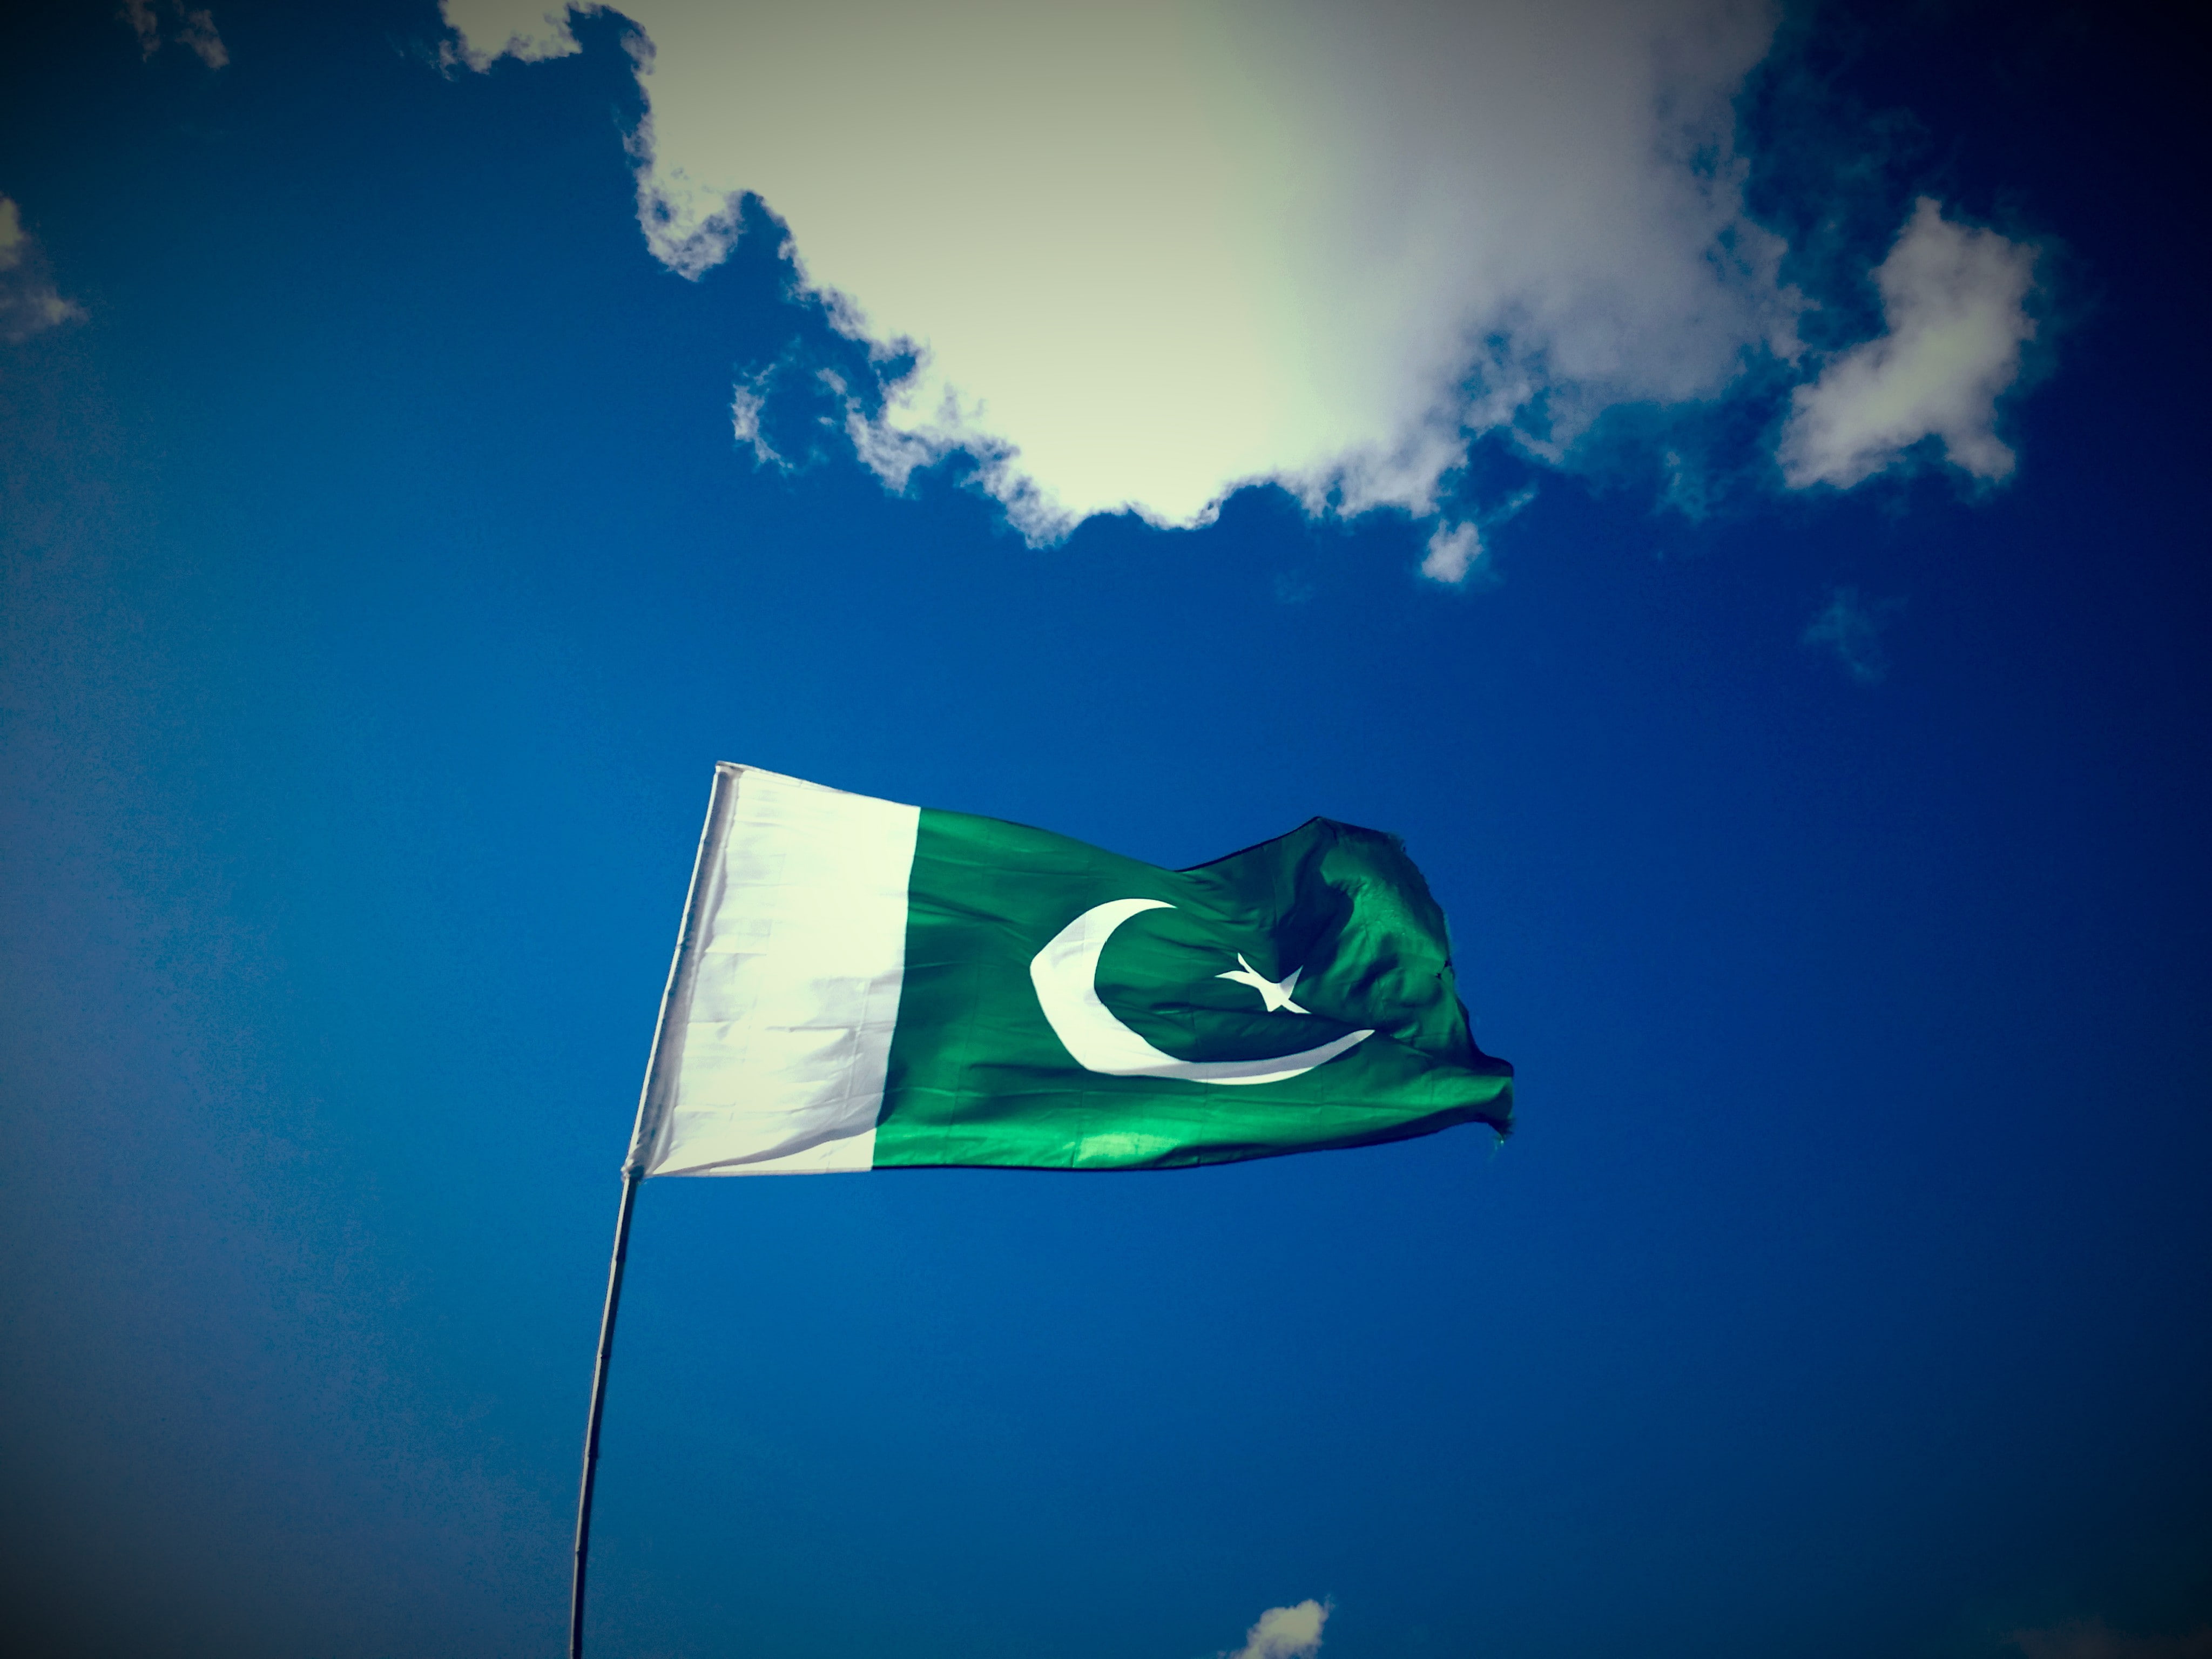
{"x":777,"y":1029}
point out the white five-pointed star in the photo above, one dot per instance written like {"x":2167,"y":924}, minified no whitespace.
{"x":1277,"y":997}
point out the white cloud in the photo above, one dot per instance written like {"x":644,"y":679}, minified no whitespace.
{"x":1457,"y":546}
{"x":1285,"y":1633}
{"x":139,"y":14}
{"x":195,"y":31}
{"x":1153,"y":250}
{"x":1452,"y":551}
{"x":530,"y":31}
{"x":1954,"y":301}
{"x":747,"y":403}
{"x":29,"y":301}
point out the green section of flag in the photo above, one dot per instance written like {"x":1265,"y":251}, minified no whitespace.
{"x":977,"y":1075}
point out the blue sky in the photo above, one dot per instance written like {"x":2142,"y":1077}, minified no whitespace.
{"x":384,"y":575}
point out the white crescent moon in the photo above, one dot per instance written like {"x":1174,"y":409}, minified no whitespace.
{"x":1066,"y":975}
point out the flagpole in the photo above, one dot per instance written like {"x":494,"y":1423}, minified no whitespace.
{"x":631,"y":1178}
{"x":651,"y":1100}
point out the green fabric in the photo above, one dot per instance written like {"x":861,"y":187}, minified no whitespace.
{"x":978,"y":1076}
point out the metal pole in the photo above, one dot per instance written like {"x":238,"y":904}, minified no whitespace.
{"x":651,"y":1100}
{"x":630,"y":1179}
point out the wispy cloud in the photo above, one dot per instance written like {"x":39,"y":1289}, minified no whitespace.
{"x":1132,"y":257}
{"x":1954,"y":299}
{"x":1456,"y":554}
{"x":29,"y":301}
{"x":749,"y":401}
{"x":1851,"y":627}
{"x":195,"y":31}
{"x":2094,"y":1639}
{"x":1291,"y":1632}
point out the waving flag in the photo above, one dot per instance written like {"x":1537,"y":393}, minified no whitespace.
{"x":861,"y":985}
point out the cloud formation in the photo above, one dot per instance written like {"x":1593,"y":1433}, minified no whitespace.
{"x":1458,"y":546}
{"x":1286,"y":1633}
{"x":29,"y":301}
{"x":1954,"y":299}
{"x":1851,"y":627}
{"x":1132,"y":257}
{"x":1152,"y":251}
{"x":194,"y":31}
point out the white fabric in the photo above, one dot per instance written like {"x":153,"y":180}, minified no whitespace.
{"x":777,"y":1028}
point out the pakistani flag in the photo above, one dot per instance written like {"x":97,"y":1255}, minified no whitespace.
{"x":860,"y":985}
